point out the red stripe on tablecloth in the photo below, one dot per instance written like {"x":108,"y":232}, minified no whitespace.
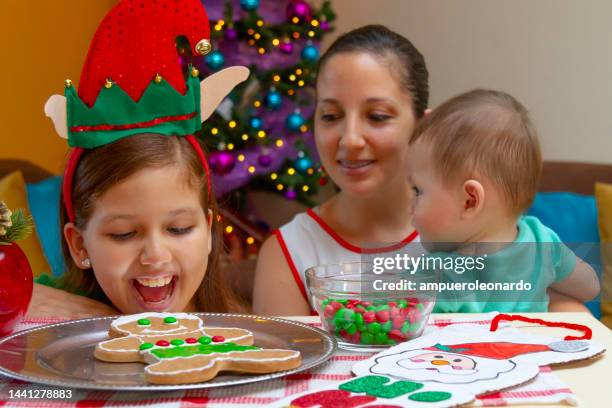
{"x":242,"y":400}
{"x":524,"y":394}
{"x":317,"y":376}
{"x":350,"y":358}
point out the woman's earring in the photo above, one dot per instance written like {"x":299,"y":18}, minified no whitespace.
{"x":86,"y":263}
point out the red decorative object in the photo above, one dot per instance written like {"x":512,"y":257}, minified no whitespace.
{"x":162,"y":343}
{"x":191,"y":340}
{"x":131,"y":46}
{"x":218,"y":339}
{"x":588,"y":333}
{"x":16,"y":287}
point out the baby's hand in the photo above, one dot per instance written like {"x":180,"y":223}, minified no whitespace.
{"x":55,"y":303}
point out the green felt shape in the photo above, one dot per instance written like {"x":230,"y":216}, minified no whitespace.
{"x":430,"y":396}
{"x":374,"y":385}
{"x":151,"y":114}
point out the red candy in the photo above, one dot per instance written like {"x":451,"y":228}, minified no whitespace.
{"x":218,"y":339}
{"x":369,"y":317}
{"x":329,"y":311}
{"x":397,"y":322}
{"x":191,"y":340}
{"x":397,"y":335}
{"x":382,"y":316}
{"x":162,"y":343}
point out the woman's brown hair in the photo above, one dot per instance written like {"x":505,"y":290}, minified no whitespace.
{"x":101,"y":168}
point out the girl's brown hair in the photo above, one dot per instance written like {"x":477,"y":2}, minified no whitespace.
{"x":101,"y":168}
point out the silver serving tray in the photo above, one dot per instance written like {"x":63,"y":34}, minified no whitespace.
{"x":61,"y":354}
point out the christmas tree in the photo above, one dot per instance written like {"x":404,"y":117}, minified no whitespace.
{"x":260,"y":137}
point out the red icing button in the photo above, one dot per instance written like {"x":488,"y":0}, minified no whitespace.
{"x":218,"y":339}
{"x":162,"y":343}
{"x":191,"y":340}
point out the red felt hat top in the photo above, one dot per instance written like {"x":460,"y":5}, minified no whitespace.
{"x":136,"y":41}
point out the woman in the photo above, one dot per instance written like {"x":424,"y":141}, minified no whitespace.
{"x":372,"y":90}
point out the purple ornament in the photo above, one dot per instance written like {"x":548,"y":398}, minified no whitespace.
{"x":324,"y":25}
{"x":264,"y":160}
{"x":222,"y":162}
{"x":299,"y":9}
{"x":286,"y":47}
{"x":290,"y":194}
{"x":231,"y":33}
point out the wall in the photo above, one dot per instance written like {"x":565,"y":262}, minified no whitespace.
{"x":555,"y":56}
{"x":42,"y":43}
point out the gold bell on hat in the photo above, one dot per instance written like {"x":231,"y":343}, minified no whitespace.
{"x":203,"y":47}
{"x":68,"y":83}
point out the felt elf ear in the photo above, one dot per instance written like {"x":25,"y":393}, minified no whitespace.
{"x":55,"y":108}
{"x":216,"y":87}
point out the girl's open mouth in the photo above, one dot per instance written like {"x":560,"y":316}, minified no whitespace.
{"x":155,"y":294}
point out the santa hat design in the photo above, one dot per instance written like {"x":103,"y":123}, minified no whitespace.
{"x":507,"y":350}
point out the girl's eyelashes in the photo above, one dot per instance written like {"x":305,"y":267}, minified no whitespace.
{"x":181,"y":230}
{"x":379,"y":117}
{"x":123,"y":236}
{"x":329,"y":117}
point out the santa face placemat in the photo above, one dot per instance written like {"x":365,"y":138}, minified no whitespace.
{"x":468,"y":359}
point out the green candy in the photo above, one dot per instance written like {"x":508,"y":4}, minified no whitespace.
{"x":349,"y":315}
{"x":382,"y":307}
{"x":374,"y":328}
{"x":170,"y":320}
{"x":204,"y":340}
{"x":420,"y":307}
{"x":367,"y":338}
{"x":177,"y":342}
{"x":339,"y":315}
{"x":402,"y":304}
{"x":358,"y":319}
{"x":387,"y":326}
{"x":144,"y":322}
{"x":342,"y":301}
{"x":371,"y":308}
{"x":351,"y":329}
{"x":361,"y":327}
{"x":381,"y":338}
{"x":405,"y":327}
{"x":326,"y":302}
{"x":391,"y":342}
{"x":146,"y":346}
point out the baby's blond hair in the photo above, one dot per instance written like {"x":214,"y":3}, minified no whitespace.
{"x":487,"y":133}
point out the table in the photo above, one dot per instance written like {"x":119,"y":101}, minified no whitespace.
{"x":585,"y":379}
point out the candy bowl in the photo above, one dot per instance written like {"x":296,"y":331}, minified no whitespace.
{"x":367,"y":311}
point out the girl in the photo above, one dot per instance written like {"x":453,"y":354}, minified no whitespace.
{"x":372,"y":90}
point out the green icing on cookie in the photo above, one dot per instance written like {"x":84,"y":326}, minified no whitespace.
{"x":144,"y":322}
{"x":189,"y":351}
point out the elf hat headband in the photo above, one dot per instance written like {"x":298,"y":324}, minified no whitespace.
{"x":132,"y":82}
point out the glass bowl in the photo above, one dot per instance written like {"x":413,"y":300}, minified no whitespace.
{"x":368,"y":311}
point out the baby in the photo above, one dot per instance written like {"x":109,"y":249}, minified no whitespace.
{"x":475,"y":164}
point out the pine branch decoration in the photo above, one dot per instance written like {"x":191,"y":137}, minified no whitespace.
{"x":14,"y":226}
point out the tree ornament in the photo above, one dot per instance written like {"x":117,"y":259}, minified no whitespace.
{"x":294,"y":121}
{"x":256,"y":122}
{"x":286,"y":47}
{"x":303,"y":164}
{"x":273,"y":100}
{"x":290,"y":194}
{"x":231,"y":33}
{"x":264,"y":160}
{"x":222,"y":162}
{"x":16,"y":281}
{"x":249,"y":5}
{"x":310,"y":53}
{"x":215,"y":60}
{"x":299,"y":9}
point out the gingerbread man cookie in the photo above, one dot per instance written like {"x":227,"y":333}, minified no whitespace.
{"x":179,"y":350}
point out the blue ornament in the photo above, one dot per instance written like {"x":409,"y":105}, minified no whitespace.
{"x":215,"y":60}
{"x":310,"y":53}
{"x":303,"y":164}
{"x":273,"y":100}
{"x":294,"y":121}
{"x":249,"y":5}
{"x":256,"y":122}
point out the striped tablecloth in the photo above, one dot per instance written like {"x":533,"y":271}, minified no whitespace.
{"x":547,"y":388}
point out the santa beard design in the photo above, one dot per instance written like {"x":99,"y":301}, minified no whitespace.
{"x":440,"y":366}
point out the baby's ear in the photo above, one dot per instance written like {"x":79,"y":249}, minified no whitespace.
{"x":216,"y":87}
{"x":473,"y":197}
{"x":55,"y":108}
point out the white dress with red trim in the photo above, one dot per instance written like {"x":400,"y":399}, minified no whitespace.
{"x":308,"y":240}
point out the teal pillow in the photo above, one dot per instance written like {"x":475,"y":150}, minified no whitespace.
{"x":574,"y":218}
{"x":43,"y":199}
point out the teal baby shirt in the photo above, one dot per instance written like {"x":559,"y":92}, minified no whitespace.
{"x":537,"y":257}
